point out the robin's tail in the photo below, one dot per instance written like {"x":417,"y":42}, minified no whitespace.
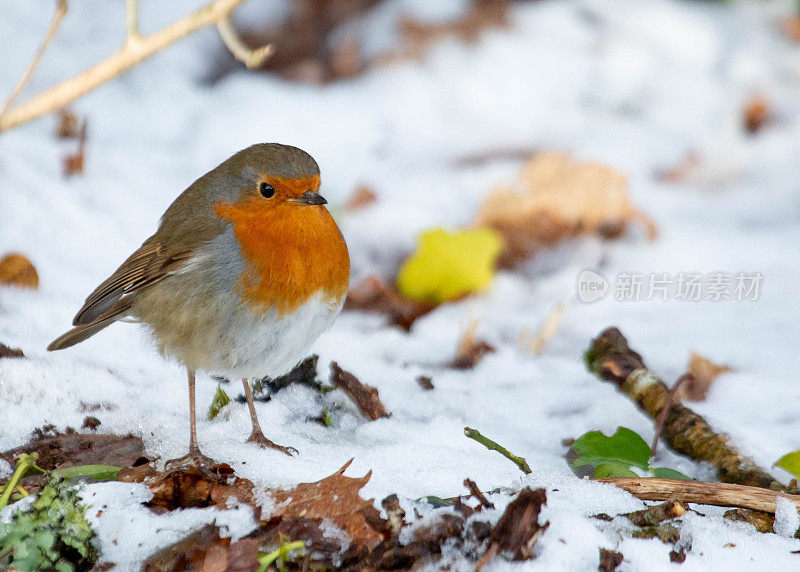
{"x":77,"y":334}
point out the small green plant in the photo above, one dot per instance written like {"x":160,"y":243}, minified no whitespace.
{"x":53,"y":534}
{"x":286,"y":552}
{"x":220,"y":400}
{"x":615,"y":456}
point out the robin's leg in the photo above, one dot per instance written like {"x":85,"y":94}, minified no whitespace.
{"x":257,"y":436}
{"x":195,"y":457}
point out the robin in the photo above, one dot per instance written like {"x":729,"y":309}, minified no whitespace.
{"x":246,"y":270}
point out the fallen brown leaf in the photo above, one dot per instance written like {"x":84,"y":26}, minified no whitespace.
{"x":791,"y":28}
{"x":703,"y":372}
{"x":375,"y":295}
{"x":73,"y":163}
{"x":515,"y":534}
{"x":470,"y":349}
{"x":17,"y":270}
{"x":204,"y":550}
{"x":361,"y":197}
{"x":756,"y":114}
{"x":7,"y":352}
{"x":425,"y":382}
{"x":364,"y":396}
{"x":67,"y":126}
{"x":58,"y":450}
{"x":556,"y":197}
{"x":334,"y":498}
{"x":609,"y":560}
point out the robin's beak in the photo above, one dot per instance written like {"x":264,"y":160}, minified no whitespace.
{"x":310,"y":198}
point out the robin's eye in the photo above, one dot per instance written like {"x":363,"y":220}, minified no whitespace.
{"x":266,"y":190}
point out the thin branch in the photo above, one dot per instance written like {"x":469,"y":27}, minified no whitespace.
{"x":131,"y":53}
{"x":716,"y":494}
{"x":251,"y":58}
{"x":520,"y":462}
{"x":132,"y":19}
{"x":611,"y":359}
{"x":58,"y":15}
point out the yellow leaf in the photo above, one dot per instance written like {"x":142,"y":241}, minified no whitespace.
{"x":448,"y":265}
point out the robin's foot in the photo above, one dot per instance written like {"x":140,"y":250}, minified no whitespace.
{"x":194,"y":459}
{"x":258,"y":438}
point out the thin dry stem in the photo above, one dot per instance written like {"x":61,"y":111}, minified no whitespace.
{"x":251,"y":58}
{"x":58,"y":15}
{"x":135,"y":50}
{"x":716,"y":494}
{"x":132,"y":18}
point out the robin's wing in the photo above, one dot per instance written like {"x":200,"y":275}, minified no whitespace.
{"x":149,"y":264}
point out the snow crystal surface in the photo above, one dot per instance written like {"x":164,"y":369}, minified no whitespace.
{"x":636,"y":84}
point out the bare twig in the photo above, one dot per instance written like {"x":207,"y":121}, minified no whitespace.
{"x":476,"y":492}
{"x":716,"y":494}
{"x":131,"y":53}
{"x":132,"y":19}
{"x":520,"y":462}
{"x":58,"y":15}
{"x":535,"y":344}
{"x":611,"y":359}
{"x":251,"y":58}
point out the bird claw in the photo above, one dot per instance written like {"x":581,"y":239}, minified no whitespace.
{"x":258,"y":438}
{"x":193,"y":459}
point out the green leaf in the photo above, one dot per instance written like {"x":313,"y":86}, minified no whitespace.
{"x":790,"y":462}
{"x":625,"y":447}
{"x":448,"y":265}
{"x":220,"y":400}
{"x":436,"y":502}
{"x":667,"y":473}
{"x":97,"y":472}
{"x":612,"y":470}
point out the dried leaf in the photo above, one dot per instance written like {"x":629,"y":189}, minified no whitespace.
{"x":205,"y":550}
{"x":7,"y":352}
{"x":60,"y":450}
{"x":334,"y":498}
{"x":791,"y":28}
{"x":449,"y":265}
{"x":190,"y":487}
{"x":17,"y":270}
{"x":67,"y":127}
{"x":361,"y":197}
{"x":364,"y":396}
{"x":556,"y":197}
{"x":375,"y":295}
{"x":609,"y":560}
{"x":425,"y":382}
{"x":471,"y":349}
{"x":756,"y":114}
{"x":516,"y":532}
{"x":703,"y":372}
{"x":72,"y":164}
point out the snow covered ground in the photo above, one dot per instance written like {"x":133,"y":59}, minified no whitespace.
{"x":636,"y":84}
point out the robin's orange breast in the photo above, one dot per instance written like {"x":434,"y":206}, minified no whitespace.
{"x":292,"y":252}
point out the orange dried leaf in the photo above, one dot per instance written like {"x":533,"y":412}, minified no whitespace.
{"x":17,"y":270}
{"x":67,"y":127}
{"x":703,"y":372}
{"x":335,"y":498}
{"x":556,"y":197}
{"x":791,"y":28}
{"x":756,"y":114}
{"x":361,"y":197}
